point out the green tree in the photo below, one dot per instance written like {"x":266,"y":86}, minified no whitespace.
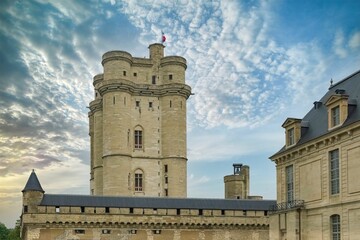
{"x":4,"y":232}
{"x":14,"y":234}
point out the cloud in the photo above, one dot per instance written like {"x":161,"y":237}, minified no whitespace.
{"x":240,"y":76}
{"x":354,"y":41}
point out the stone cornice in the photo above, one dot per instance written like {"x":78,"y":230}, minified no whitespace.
{"x":330,"y":139}
{"x":144,"y":221}
{"x":143,"y":89}
{"x":95,"y":106}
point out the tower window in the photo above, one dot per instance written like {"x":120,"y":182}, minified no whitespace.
{"x":335,"y":116}
{"x":137,"y":104}
{"x":170,"y":76}
{"x":107,"y":210}
{"x":166,"y":180}
{"x":335,"y":227}
{"x":57,"y":209}
{"x":150,"y":104}
{"x":170,"y":103}
{"x":135,"y":74}
{"x":166,"y":168}
{"x":178,"y":212}
{"x":124,"y":73}
{"x":200,"y":212}
{"x":131,"y":210}
{"x":25,"y":209}
{"x":138,"y":180}
{"x":153,"y":79}
{"x":82,"y":209}
{"x":334,"y":172}
{"x":166,"y":192}
{"x":138,"y":139}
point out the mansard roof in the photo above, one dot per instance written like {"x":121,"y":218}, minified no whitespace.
{"x":155,"y":202}
{"x":316,"y":120}
{"x":33,"y":183}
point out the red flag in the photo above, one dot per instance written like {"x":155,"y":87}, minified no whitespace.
{"x":163,"y":38}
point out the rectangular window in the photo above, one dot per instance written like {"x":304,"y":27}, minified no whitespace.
{"x":25,"y":209}
{"x":124,"y":73}
{"x":137,"y":104}
{"x":200,"y":212}
{"x":106,"y":231}
{"x":138,"y":182}
{"x":335,"y":227}
{"x":131,"y":210}
{"x":150,"y":104}
{"x":178,"y":211}
{"x":170,"y":76}
{"x":82,"y":209}
{"x":289,"y":183}
{"x":107,"y":210}
{"x":57,"y":209}
{"x":166,"y":180}
{"x":138,"y":139}
{"x":166,"y":192}
{"x":291,"y":137}
{"x":153,"y":79}
{"x":334,"y":172}
{"x":135,"y":74}
{"x":79,"y":231}
{"x":335,"y":116}
{"x":166,"y":168}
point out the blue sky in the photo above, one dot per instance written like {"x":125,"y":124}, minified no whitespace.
{"x":251,"y":64}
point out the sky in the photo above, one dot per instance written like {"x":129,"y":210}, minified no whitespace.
{"x":251,"y":64}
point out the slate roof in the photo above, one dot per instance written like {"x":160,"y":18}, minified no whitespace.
{"x":33,"y":183}
{"x":316,"y":119}
{"x":155,"y":202}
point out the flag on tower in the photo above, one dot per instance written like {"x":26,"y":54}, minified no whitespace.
{"x":163,"y":38}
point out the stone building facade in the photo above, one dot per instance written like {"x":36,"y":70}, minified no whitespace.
{"x":138,"y":125}
{"x":318,"y":192}
{"x":138,"y":167}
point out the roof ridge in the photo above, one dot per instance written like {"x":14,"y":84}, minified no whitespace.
{"x":344,"y":79}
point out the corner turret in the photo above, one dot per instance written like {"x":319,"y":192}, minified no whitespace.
{"x":32,"y":194}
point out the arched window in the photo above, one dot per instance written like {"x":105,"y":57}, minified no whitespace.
{"x":138,"y":138}
{"x":139,"y":175}
{"x":335,"y":227}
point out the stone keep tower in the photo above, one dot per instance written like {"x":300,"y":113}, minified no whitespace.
{"x":138,"y":125}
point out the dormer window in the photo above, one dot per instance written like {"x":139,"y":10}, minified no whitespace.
{"x":335,"y":116}
{"x":337,"y":106}
{"x":292,"y":131}
{"x":291,"y":136}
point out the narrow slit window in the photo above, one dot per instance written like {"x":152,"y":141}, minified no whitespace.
{"x":153,"y":79}
{"x":124,"y":73}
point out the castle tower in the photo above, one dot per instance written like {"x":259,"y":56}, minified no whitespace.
{"x":237,"y":184}
{"x":32,"y":194}
{"x":137,"y":125}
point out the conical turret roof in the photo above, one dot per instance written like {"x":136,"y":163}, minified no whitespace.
{"x":33,"y":183}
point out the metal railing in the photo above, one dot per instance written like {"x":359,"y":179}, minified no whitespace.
{"x":294,"y":204}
